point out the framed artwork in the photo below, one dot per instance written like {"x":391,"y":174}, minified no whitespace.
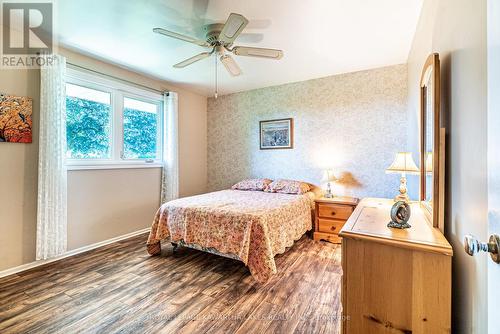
{"x":15,"y":119}
{"x":276,"y":134}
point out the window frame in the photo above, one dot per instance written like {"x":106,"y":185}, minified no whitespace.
{"x":118,"y":91}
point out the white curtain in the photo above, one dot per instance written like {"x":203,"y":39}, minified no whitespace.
{"x":170,"y":173}
{"x":52,"y":179}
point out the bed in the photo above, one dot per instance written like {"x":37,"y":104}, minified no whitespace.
{"x":250,"y":226}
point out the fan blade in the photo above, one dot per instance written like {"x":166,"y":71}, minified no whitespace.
{"x":181,"y":37}
{"x":231,"y":66}
{"x":193,"y":59}
{"x":232,"y":28}
{"x":257,"y":52}
{"x":248,"y":37}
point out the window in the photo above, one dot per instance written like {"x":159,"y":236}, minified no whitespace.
{"x":88,"y":123}
{"x":110,"y":124}
{"x":140,"y":129}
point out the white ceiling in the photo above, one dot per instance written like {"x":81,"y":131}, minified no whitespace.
{"x":319,"y":37}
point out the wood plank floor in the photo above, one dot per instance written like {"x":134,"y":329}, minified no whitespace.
{"x":118,"y":288}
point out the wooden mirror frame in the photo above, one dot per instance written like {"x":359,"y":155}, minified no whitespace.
{"x":435,"y":214}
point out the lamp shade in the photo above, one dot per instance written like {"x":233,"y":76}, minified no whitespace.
{"x":428,"y":163}
{"x":403,"y":163}
{"x":329,"y":176}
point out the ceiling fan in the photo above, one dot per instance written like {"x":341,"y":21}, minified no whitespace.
{"x":220,"y":38}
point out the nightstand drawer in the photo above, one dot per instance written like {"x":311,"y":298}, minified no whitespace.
{"x":334,"y":211}
{"x":330,"y":226}
{"x":333,"y":238}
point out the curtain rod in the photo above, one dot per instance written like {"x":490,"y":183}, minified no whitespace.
{"x":117,"y":78}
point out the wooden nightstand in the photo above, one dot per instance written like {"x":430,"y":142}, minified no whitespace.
{"x":331,"y":215}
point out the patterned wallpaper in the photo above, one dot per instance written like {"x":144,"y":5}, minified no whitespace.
{"x":353,"y":123}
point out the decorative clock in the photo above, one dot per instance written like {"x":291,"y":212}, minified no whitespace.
{"x":400,"y":214}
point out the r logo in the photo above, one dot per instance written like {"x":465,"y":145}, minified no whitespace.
{"x":27,"y":28}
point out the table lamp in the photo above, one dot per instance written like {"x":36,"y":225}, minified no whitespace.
{"x":329,"y":177}
{"x":403,"y":164}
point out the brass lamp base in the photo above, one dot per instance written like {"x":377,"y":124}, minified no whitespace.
{"x":328,"y":191}
{"x":403,"y":195}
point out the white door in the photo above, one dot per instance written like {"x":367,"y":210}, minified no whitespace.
{"x":493,"y":159}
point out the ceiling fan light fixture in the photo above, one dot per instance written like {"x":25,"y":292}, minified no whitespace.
{"x":220,"y":37}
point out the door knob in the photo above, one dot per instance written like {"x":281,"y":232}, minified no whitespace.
{"x":473,"y":246}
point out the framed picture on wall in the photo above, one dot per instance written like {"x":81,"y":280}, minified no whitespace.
{"x":276,"y":134}
{"x":15,"y":119}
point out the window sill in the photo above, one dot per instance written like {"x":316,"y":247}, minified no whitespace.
{"x":114,"y":166}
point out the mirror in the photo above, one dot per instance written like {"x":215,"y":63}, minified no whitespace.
{"x":431,"y":186}
{"x":428,"y":142}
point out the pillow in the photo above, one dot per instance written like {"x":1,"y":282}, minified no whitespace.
{"x":252,"y":184}
{"x":288,"y":187}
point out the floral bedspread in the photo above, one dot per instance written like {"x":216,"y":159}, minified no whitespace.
{"x":252,"y":226}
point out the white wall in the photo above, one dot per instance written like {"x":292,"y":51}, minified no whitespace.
{"x":354,"y":123}
{"x":493,"y":157}
{"x":102,"y":204}
{"x":456,"y":29}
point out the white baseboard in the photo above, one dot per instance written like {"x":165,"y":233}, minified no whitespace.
{"x":73,"y":252}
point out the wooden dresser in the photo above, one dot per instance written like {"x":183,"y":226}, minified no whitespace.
{"x":330,"y":216}
{"x":394,"y":281}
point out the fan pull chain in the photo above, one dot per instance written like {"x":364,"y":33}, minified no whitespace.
{"x":216,"y":82}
